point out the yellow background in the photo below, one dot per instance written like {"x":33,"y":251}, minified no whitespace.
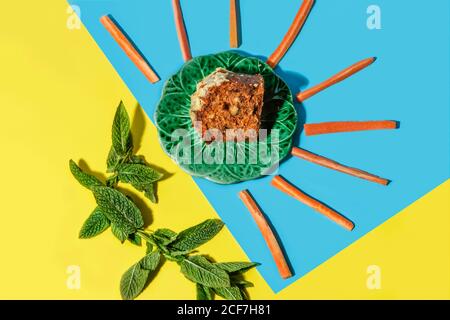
{"x":58,"y":94}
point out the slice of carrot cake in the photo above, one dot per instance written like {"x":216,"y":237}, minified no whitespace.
{"x":228,"y":100}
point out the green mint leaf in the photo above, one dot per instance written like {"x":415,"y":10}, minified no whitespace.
{"x":164,"y":236}
{"x":195,"y":236}
{"x":121,"y":135}
{"x":229,"y":293}
{"x":113,"y":160}
{"x":150,"y":261}
{"x":150,"y":193}
{"x":141,"y":177}
{"x":95,"y":224}
{"x":119,"y":209}
{"x":135,"y":239}
{"x":138,"y":175}
{"x":199,"y":270}
{"x":241,"y":283}
{"x":119,"y":233}
{"x":86,"y":180}
{"x":240,"y":267}
{"x":244,"y":292}
{"x":203,"y":293}
{"x":138,"y":159}
{"x":118,"y":221}
{"x":133,"y":281}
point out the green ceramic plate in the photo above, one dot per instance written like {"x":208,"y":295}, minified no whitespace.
{"x":226,"y":162}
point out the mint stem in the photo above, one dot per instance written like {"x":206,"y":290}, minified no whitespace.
{"x":144,"y":235}
{"x":147,"y":238}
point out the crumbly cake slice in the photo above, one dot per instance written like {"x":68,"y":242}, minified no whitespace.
{"x":228,"y":100}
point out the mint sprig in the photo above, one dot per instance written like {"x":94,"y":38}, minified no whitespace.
{"x":118,"y":212}
{"x":123,"y":164}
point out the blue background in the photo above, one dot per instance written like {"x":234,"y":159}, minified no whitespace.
{"x":409,"y":82}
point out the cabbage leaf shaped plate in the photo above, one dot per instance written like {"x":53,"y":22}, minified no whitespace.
{"x":211,"y":160}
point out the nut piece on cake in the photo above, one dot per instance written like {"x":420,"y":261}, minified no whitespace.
{"x":227,"y":100}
